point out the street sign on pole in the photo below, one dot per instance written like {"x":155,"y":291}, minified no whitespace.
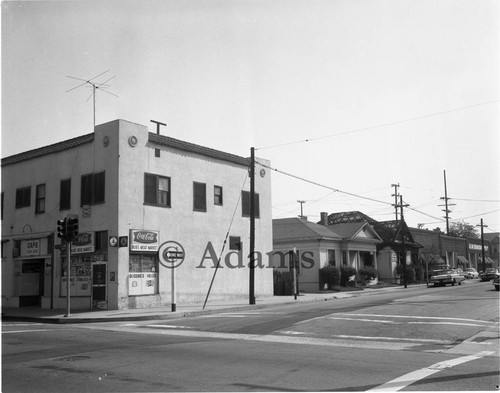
{"x":171,"y":255}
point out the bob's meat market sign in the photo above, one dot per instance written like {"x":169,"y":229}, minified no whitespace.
{"x":143,"y":240}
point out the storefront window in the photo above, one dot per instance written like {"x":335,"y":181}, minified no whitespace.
{"x":87,"y":248}
{"x":143,"y":274}
{"x":80,"y":274}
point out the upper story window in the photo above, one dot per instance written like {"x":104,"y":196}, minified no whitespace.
{"x":40,"y":198}
{"x":157,"y":190}
{"x":245,"y":204}
{"x":92,"y":191}
{"x":199,"y":197}
{"x":235,"y":243}
{"x":65,"y":195}
{"x":101,"y":241}
{"x":218,"y":195}
{"x":23,"y":197}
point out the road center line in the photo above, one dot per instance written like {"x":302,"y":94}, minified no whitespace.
{"x":414,"y":376}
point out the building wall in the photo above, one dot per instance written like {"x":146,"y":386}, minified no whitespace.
{"x":124,"y":210}
{"x":193,"y":229}
{"x":313,"y":250}
{"x":387,"y":260}
{"x":449,"y":248}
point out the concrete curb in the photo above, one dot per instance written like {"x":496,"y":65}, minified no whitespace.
{"x":183,"y":314}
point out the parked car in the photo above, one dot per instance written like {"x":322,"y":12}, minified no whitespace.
{"x":460,"y":271}
{"x":471,"y":273}
{"x":489,"y":274}
{"x":447,"y":276}
{"x":496,"y":282}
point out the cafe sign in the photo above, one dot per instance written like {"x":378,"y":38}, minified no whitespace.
{"x":30,"y":248}
{"x":144,"y":240}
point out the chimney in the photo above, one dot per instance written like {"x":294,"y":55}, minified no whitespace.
{"x":324,"y":218}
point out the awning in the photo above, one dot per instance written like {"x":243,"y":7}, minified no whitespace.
{"x":437,"y":259}
{"x":488,"y":260}
{"x":462,"y":259}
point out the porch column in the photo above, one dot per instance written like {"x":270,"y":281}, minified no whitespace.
{"x":375,"y":260}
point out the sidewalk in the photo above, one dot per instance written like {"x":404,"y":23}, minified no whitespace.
{"x":36,"y":314}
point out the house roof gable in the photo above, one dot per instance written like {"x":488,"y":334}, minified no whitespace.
{"x":355,"y":230}
{"x":297,"y":229}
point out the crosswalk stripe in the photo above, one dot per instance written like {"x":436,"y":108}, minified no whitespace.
{"x":414,"y":376}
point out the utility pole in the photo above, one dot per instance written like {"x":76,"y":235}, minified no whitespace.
{"x":402,"y":231}
{"x":301,"y":211}
{"x":252,"y":228}
{"x":483,"y":256}
{"x":395,"y":195}
{"x":446,"y":204}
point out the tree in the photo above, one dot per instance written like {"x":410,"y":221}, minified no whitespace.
{"x":463,"y":229}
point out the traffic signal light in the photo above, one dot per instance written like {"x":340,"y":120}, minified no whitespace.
{"x":71,"y":228}
{"x":61,"y":228}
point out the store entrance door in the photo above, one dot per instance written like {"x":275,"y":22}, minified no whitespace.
{"x":31,"y":282}
{"x":99,"y":286}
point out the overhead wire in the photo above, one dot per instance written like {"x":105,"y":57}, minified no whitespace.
{"x":225,"y":240}
{"x":322,"y":185}
{"x":397,"y":122}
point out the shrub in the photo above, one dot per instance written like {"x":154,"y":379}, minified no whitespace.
{"x":346,"y":272}
{"x":329,"y":275}
{"x":419,"y":273}
{"x":283,"y":283}
{"x":410,"y":273}
{"x":368,"y":273}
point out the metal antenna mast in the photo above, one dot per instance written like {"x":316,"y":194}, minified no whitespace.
{"x":95,"y":85}
{"x":301,"y":209}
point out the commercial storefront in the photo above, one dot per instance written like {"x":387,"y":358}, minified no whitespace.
{"x":132,"y":191}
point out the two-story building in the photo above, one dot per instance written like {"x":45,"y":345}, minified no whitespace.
{"x":136,"y":194}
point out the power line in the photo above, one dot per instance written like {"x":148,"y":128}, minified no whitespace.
{"x":340,"y":191}
{"x":476,"y":200}
{"x":379,"y":125}
{"x":322,"y":185}
{"x":477,"y":215}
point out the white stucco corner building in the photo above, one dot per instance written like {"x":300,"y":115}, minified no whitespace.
{"x":133,"y":191}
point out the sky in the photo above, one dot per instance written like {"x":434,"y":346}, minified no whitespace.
{"x":344,"y":97}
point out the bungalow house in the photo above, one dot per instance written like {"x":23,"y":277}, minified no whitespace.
{"x":389,"y":250}
{"x":317,"y":245}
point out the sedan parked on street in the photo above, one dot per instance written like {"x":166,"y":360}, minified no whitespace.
{"x":496,"y":282}
{"x":489,"y":274}
{"x":471,"y":273}
{"x":447,"y":276}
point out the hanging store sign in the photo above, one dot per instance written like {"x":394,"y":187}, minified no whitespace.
{"x":30,"y":247}
{"x":144,"y":240}
{"x":477,"y":247}
{"x":83,"y":243}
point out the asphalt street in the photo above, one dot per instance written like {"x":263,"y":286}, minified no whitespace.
{"x":424,"y":339}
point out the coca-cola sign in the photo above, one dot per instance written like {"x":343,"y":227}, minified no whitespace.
{"x":83,"y":243}
{"x":82,"y":239}
{"x":146,"y":237}
{"x":143,"y":240}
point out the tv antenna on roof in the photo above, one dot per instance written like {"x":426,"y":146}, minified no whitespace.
{"x":95,"y":85}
